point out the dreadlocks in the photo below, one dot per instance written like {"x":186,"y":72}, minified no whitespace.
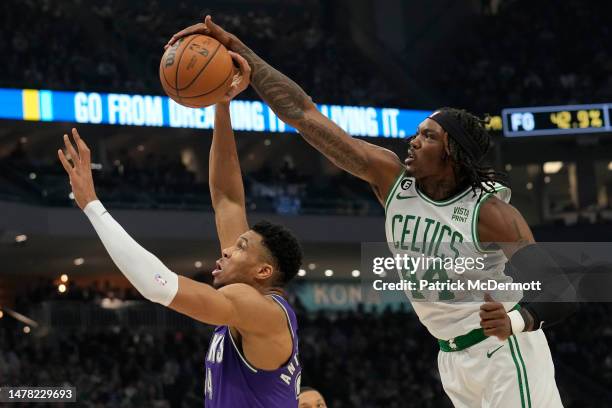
{"x":468,"y":168}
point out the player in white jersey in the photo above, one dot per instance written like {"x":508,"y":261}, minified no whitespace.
{"x":490,"y":356}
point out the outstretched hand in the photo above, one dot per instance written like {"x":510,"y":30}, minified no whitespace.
{"x":79,"y":171}
{"x":241,"y":79}
{"x":207,"y":28}
{"x":494,"y":319}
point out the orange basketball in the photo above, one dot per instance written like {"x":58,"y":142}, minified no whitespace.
{"x":196,"y":71}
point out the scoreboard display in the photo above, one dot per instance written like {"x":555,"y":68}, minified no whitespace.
{"x":557,"y":120}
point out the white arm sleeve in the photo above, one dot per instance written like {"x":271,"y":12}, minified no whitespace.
{"x":144,"y":270}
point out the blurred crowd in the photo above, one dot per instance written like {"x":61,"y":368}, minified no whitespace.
{"x":58,"y":45}
{"x":527,"y":53}
{"x":356,"y":359}
{"x":163,"y":181}
{"x":512,"y":53}
{"x":46,"y":289}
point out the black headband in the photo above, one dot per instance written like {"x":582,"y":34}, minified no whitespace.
{"x":459,"y":135}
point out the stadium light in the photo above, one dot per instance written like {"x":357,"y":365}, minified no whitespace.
{"x":197,"y":264}
{"x":529,"y":186}
{"x":21,"y":238}
{"x":610,"y":166}
{"x":61,"y":288}
{"x":78,"y":261}
{"x":301,"y":272}
{"x":546,"y":179}
{"x":329,"y":272}
{"x":71,"y":195}
{"x":552,"y":167}
{"x":355,"y":273}
{"x":312,"y":266}
{"x":26,"y":329}
{"x":32,"y":176}
{"x":1,"y":314}
{"x":64,"y":278}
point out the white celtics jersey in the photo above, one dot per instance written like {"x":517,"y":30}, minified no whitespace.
{"x":423,"y":228}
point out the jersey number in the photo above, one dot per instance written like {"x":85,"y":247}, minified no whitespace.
{"x":433,"y":274}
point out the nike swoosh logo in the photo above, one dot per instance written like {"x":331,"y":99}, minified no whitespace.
{"x":401,"y":197}
{"x":489,"y":354}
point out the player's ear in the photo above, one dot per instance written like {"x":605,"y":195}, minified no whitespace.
{"x":445,"y":156}
{"x":446,"y":145}
{"x":265,"y":271}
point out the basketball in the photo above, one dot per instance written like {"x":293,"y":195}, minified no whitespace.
{"x":196,"y":71}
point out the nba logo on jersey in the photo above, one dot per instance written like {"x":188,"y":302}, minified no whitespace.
{"x":406,"y":184}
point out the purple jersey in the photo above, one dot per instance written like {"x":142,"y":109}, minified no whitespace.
{"x":232,"y":382}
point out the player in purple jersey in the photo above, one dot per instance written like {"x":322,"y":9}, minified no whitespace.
{"x":252,"y":360}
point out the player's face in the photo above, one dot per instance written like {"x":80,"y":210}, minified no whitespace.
{"x":244,"y":262}
{"x":311,"y":399}
{"x":427,"y":150}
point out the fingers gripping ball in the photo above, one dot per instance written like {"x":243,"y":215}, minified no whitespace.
{"x":196,"y":71}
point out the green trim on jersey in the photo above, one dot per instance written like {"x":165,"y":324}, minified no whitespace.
{"x":524,"y":369}
{"x":518,"y":373}
{"x":475,"y":238}
{"x":444,"y":202}
{"x":392,"y":191}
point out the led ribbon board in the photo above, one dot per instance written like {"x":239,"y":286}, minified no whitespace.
{"x":149,"y":110}
{"x":557,"y":120}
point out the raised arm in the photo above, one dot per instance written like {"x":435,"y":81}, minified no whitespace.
{"x":224,"y":178}
{"x":236,"y":305}
{"x":378,"y":166}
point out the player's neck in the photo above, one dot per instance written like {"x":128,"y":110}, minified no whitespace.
{"x":275,"y":290}
{"x":267,"y":290}
{"x":440,"y":188}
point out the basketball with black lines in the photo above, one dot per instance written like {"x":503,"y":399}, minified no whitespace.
{"x":196,"y":71}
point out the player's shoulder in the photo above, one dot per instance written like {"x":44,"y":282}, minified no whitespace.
{"x":494,"y":209}
{"x":493,"y":199}
{"x":489,"y":190}
{"x":496,"y":218}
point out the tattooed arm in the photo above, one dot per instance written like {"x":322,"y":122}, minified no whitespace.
{"x":378,"y":166}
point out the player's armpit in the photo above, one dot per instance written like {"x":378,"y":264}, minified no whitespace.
{"x":374,"y":164}
{"x":502,"y":226}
